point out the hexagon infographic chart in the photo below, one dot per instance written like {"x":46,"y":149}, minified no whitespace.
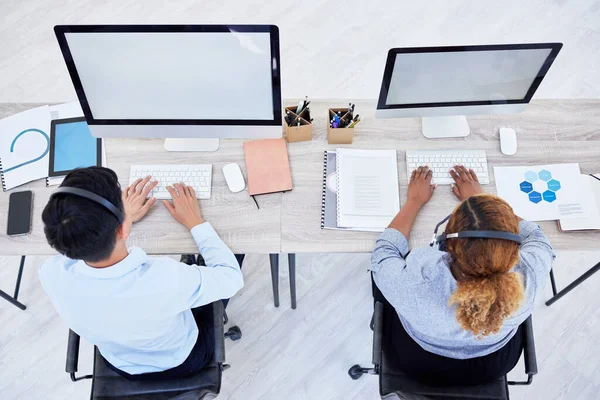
{"x":540,"y":186}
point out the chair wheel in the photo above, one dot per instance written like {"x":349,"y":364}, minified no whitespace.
{"x":234,"y":333}
{"x":355,"y":372}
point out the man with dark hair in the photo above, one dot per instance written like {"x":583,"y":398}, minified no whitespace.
{"x":135,"y":309}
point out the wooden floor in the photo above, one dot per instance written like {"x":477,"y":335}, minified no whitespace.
{"x":303,"y":353}
{"x":328,"y":51}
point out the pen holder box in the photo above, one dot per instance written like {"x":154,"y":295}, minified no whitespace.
{"x":339,"y":135}
{"x":297,"y":133}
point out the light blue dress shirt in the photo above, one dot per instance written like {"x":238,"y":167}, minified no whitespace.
{"x":137,"y":312}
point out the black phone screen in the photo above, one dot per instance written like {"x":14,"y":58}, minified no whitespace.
{"x":19,"y":213}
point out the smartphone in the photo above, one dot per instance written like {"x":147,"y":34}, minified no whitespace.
{"x":19,"y":213}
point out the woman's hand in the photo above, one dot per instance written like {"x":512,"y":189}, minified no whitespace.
{"x":420,"y":188}
{"x":420,"y":191}
{"x":466,"y":183}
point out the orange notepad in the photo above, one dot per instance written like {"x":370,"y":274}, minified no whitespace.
{"x":267,"y":166}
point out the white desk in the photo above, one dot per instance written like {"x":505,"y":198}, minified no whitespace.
{"x":548,"y":132}
{"x":235,"y":217}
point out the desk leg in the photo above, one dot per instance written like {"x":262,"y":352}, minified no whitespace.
{"x":274,"y":259}
{"x":553,"y":282}
{"x":13,"y":299}
{"x":574,"y":284}
{"x":292,"y":266}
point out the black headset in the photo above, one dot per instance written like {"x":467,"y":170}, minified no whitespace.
{"x":441,"y":239}
{"x":93,"y":197}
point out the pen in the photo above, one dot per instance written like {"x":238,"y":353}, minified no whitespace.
{"x":288,"y":119}
{"x":307,"y":110}
{"x":353,"y":124}
{"x":302,"y":105}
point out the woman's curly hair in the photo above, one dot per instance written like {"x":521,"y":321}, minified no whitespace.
{"x":487,"y":292}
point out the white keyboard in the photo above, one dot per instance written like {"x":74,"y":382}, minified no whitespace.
{"x":441,"y":161}
{"x":198,"y":176}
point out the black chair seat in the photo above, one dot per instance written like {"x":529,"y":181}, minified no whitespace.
{"x":394,"y":384}
{"x":108,"y":385}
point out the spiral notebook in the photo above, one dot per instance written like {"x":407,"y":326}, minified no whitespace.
{"x":24,"y":147}
{"x":329,"y":196}
{"x":25,"y":143}
{"x":367,"y":181}
{"x":329,"y":199}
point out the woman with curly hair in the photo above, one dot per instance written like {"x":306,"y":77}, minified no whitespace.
{"x":459,"y":310}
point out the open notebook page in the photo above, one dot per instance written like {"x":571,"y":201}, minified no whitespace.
{"x":367,"y":187}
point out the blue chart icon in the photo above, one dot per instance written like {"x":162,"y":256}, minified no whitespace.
{"x":545,"y":184}
{"x":535,"y":197}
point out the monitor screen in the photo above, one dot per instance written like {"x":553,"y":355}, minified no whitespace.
{"x":175,"y":75}
{"x":480,"y":76}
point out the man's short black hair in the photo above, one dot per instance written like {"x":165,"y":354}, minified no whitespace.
{"x":80,"y":228}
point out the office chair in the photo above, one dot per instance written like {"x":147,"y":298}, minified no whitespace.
{"x":394,"y":384}
{"x":108,"y":385}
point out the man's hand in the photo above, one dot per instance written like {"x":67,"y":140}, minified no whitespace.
{"x":134,"y":198}
{"x":420,"y":188}
{"x":467,"y":183}
{"x":185,"y":208}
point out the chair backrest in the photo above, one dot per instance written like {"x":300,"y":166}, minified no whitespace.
{"x":397,"y":385}
{"x":394,"y":384}
{"x":206,"y":384}
{"x":108,"y":385}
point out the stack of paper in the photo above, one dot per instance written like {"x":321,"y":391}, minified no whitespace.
{"x":25,"y":143}
{"x":367,"y":188}
{"x":590,"y":184}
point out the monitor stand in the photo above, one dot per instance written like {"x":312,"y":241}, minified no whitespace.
{"x":211,"y":144}
{"x":445,"y":127}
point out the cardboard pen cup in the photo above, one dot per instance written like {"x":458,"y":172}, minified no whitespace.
{"x":339,"y":135}
{"x":297,"y":133}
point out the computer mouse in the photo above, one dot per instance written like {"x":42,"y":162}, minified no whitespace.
{"x":234,"y":177}
{"x":508,"y":141}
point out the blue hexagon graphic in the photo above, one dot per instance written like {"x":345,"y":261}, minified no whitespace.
{"x":526,"y":187}
{"x":531,"y":176}
{"x":535,"y":197}
{"x":545,"y":175}
{"x":553,"y":185}
{"x":549,"y":196}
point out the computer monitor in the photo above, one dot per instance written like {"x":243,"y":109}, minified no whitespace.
{"x":442,"y":84}
{"x":176,"y":81}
